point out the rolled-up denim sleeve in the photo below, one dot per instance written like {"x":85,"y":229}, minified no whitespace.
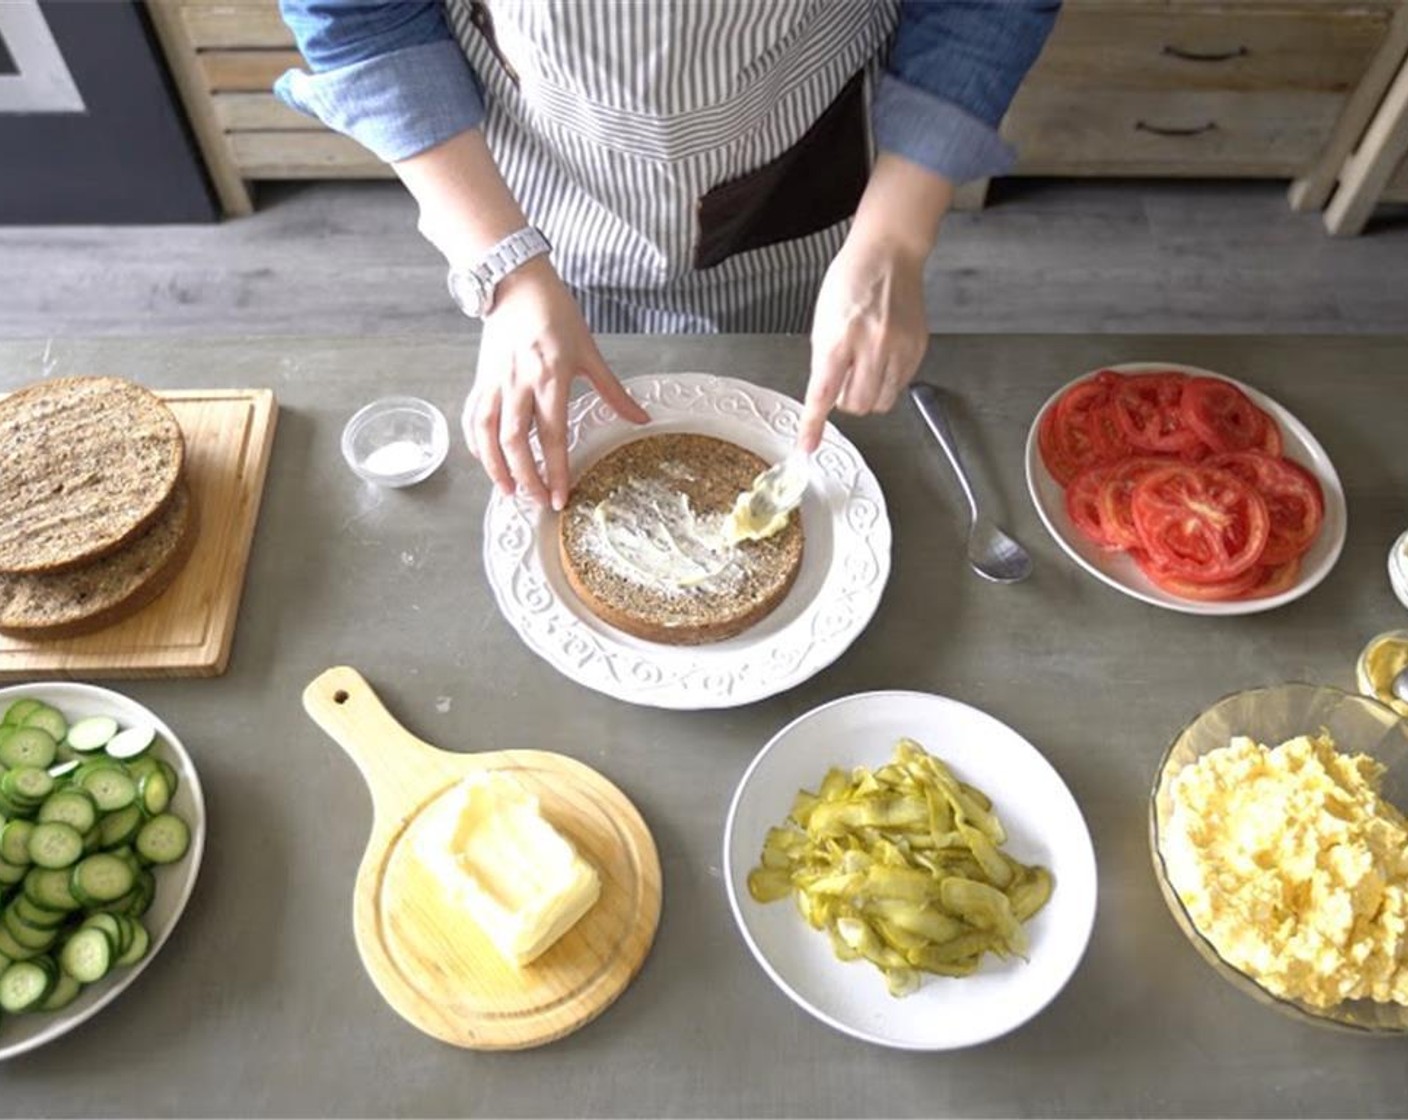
{"x":389,"y":75}
{"x":953,"y":70}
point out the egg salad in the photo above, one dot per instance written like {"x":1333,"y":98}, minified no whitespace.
{"x":1291,"y":863}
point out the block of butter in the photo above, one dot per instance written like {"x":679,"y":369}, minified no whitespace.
{"x":517,"y":877}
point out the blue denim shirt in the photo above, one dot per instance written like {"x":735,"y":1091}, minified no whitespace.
{"x":390,"y":74}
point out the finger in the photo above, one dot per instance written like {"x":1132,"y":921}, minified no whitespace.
{"x":613,"y":392}
{"x":827,"y":379}
{"x":467,"y":414}
{"x":552,"y":435}
{"x":891,"y":385}
{"x":515,"y":424}
{"x":862,"y":388}
{"x":486,"y":438}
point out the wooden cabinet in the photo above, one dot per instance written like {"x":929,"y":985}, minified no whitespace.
{"x":225,"y":56}
{"x":1187,"y":87}
{"x":1123,"y":87}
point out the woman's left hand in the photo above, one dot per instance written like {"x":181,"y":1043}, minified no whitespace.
{"x":870,"y":330}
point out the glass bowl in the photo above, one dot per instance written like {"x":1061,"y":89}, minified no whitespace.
{"x":1272,"y":715}
{"x":396,"y":441}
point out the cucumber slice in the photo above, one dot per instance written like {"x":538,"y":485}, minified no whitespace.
{"x":27,"y":784}
{"x":110,"y":788}
{"x":131,"y":742}
{"x":103,"y":877}
{"x":91,"y":734}
{"x":55,"y":844}
{"x":142,"y":894}
{"x":48,"y":719}
{"x":28,"y":936}
{"x":29,"y":746}
{"x":10,"y":811}
{"x":72,"y":806}
{"x":12,"y":873}
{"x":14,"y":843}
{"x":15,"y":713}
{"x":141,"y":941}
{"x":24,"y":986}
{"x":33,"y":914}
{"x":66,"y":990}
{"x":111,"y":925}
{"x":87,"y":955}
{"x":155,"y":791}
{"x":120,"y":827}
{"x":163,"y":839}
{"x":63,"y":769}
{"x":51,"y":889}
{"x":11,"y":948}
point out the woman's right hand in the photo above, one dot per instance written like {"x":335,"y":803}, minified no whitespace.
{"x":535,"y":344}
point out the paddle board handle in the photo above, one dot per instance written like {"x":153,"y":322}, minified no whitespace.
{"x":392,"y":760}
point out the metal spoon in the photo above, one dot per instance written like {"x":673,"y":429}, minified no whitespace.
{"x":1400,"y":686}
{"x":991,"y":552}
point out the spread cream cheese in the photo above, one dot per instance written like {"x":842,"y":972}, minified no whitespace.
{"x":650,"y":534}
{"x":522,"y":882}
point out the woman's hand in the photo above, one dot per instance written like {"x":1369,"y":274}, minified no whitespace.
{"x":870,"y":332}
{"x":535,"y":344}
{"x":868,"y":335}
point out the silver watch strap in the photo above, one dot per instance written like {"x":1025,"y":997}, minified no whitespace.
{"x":517,"y":248}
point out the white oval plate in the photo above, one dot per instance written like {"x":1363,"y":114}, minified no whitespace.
{"x":1044,"y":826}
{"x":1120,"y":571}
{"x":19,"y":1033}
{"x":845,"y":560}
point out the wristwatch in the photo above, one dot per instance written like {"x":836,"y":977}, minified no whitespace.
{"x":472,"y":288}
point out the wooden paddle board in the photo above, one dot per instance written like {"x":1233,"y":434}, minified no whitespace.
{"x":425,"y":954}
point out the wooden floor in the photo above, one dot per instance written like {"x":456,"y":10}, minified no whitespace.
{"x":1066,"y":256}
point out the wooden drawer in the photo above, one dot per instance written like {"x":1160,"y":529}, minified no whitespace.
{"x":1237,"y":47}
{"x":1122,"y":132}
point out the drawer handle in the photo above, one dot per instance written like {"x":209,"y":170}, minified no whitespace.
{"x":1205,"y":56}
{"x":1162,"y":130}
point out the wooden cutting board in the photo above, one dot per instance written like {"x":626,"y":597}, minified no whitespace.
{"x":187,"y":631}
{"x":426,"y":956}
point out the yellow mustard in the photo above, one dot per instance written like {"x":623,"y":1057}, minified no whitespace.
{"x":1382,"y":660}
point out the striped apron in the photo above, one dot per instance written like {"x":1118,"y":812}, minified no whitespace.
{"x":637,"y":134}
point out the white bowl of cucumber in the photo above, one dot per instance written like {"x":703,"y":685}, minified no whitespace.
{"x":102,"y":834}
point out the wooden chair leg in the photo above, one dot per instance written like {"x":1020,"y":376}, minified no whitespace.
{"x":1368,"y":171}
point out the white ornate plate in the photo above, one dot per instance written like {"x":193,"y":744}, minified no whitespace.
{"x":845,"y":561}
{"x":19,"y":1033}
{"x":1119,"y":570}
{"x":1044,"y":826}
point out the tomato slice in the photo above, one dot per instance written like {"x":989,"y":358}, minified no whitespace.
{"x":1200,"y":523}
{"x":1147,"y":408}
{"x":1276,"y":579}
{"x":1117,"y":485}
{"x":1222,"y":415}
{"x":1078,"y":432}
{"x":1084,"y":509}
{"x":1293,"y":499}
{"x":1216,"y":591}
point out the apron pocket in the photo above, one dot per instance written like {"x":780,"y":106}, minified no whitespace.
{"x":813,"y":185}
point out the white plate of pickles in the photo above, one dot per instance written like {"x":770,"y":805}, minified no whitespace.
{"x":910,"y":870}
{"x":104,"y":826}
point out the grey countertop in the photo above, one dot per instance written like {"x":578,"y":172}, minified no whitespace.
{"x":258,"y":1005}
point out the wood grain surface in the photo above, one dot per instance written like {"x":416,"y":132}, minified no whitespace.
{"x":188,"y":630}
{"x":427,"y":957}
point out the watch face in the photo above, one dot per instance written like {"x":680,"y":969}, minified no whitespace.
{"x":470,"y":292}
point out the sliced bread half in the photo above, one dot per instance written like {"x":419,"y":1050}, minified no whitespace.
{"x":86,"y":464}
{"x":641,"y":541}
{"x":77,"y":601}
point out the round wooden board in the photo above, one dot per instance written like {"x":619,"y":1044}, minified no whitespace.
{"x":427,"y":957}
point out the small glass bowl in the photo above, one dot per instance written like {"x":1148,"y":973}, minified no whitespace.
{"x":1272,"y":715}
{"x":396,"y":441}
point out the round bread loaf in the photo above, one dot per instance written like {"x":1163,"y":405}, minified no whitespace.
{"x":86,"y":464}
{"x":641,"y":541}
{"x":105,"y":591}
